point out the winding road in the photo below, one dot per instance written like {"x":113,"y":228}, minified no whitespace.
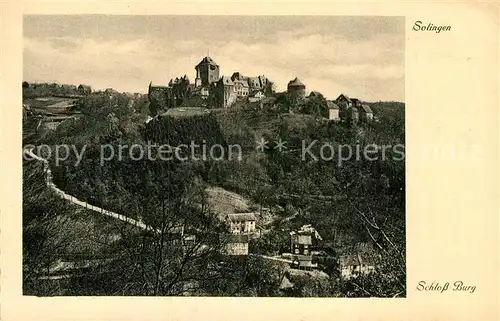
{"x":74,"y":200}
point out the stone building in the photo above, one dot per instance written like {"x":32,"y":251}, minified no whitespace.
{"x":241,"y":88}
{"x":296,"y":90}
{"x":223,"y":93}
{"x":207,"y":72}
{"x":159,"y":96}
{"x":351,"y":109}
{"x":181,"y":88}
{"x":249,"y":85}
{"x":241,"y":223}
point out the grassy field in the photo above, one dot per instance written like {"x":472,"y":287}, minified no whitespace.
{"x":53,"y":105}
{"x":186,"y":112}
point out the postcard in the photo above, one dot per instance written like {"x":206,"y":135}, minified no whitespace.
{"x":250,"y":161}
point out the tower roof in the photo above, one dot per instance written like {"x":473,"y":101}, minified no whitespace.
{"x":207,"y":60}
{"x":296,"y":83}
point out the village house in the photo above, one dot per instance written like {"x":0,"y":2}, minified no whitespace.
{"x":365,"y":113}
{"x":361,"y":260}
{"x":315,"y":94}
{"x":351,"y":109}
{"x":84,"y":90}
{"x":333,"y":111}
{"x":237,"y":244}
{"x":302,"y":244}
{"x":241,"y":223}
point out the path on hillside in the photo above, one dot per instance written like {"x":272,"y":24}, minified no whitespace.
{"x":74,"y":200}
{"x":271,"y":258}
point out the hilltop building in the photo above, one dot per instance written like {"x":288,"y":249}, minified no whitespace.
{"x":207,"y":72}
{"x":365,"y":113}
{"x":84,"y":90}
{"x":333,"y":111}
{"x":222,"y":93}
{"x":351,"y":109}
{"x":296,"y":90}
{"x":219,"y":91}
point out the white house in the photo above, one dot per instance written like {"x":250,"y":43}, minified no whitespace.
{"x":333,"y":111}
{"x":241,"y":223}
{"x":256,"y":96}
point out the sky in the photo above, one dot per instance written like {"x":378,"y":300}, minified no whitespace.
{"x":361,"y":56}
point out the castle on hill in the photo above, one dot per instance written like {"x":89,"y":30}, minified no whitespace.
{"x":220,"y":91}
{"x":212,"y":90}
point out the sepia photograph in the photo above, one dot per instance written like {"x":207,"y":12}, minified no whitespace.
{"x":213,"y":156}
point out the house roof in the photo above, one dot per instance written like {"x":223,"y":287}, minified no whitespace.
{"x":238,"y":238}
{"x":302,"y":258}
{"x":302,"y":239}
{"x":257,"y":93}
{"x":362,"y":253}
{"x":159,"y":87}
{"x":296,"y":83}
{"x":207,"y":60}
{"x":307,"y":229}
{"x":239,"y":76}
{"x":285,"y":283}
{"x":243,"y":83}
{"x":366,"y":109}
{"x":332,"y":105}
{"x":356,"y":102}
{"x":345,"y":97}
{"x":254,"y":81}
{"x":84,"y":86}
{"x":226,"y":81}
{"x":234,"y":217}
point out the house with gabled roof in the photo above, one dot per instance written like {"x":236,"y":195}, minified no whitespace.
{"x":333,"y":110}
{"x":365,"y":113}
{"x":242,"y":223}
{"x":84,"y":89}
{"x":360,"y":260}
{"x":352,"y":109}
{"x":237,"y":244}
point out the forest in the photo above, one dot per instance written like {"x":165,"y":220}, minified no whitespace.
{"x":360,"y":201}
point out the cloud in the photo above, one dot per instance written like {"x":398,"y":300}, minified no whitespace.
{"x":369,"y":65}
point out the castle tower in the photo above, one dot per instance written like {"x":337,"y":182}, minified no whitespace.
{"x":207,"y":72}
{"x":296,"y":89}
